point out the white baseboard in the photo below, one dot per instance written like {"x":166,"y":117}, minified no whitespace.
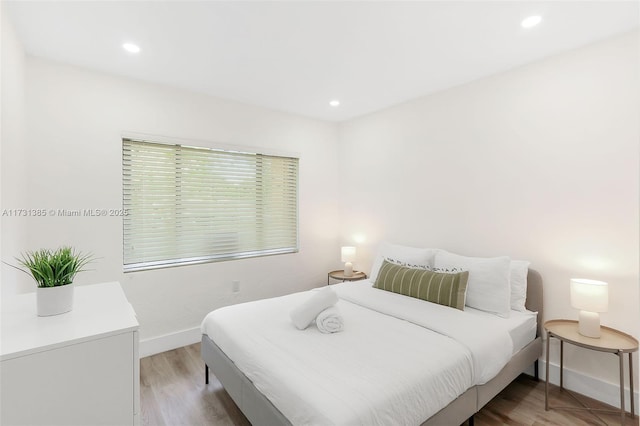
{"x":170,"y":341}
{"x":609,"y":393}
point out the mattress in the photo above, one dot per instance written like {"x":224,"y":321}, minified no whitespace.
{"x":522,"y":326}
{"x":375,"y":371}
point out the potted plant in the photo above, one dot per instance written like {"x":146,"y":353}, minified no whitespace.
{"x":54,"y":272}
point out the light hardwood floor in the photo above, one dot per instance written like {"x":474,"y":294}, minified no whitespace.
{"x":173,"y":393}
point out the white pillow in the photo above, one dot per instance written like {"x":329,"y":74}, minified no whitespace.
{"x":518,"y":279}
{"x":488,"y":288}
{"x":402,"y":255}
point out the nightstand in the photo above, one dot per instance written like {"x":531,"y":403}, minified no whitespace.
{"x":611,"y":341}
{"x":339,"y":275}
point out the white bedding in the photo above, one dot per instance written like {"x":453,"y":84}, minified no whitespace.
{"x":379,"y":370}
{"x":522,"y":326}
{"x":487,"y":338}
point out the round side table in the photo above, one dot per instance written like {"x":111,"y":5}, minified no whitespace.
{"x":610,"y":340}
{"x":339,"y":275}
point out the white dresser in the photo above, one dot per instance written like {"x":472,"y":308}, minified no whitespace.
{"x":78,"y":368}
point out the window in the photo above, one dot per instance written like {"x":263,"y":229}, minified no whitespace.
{"x":188,"y":205}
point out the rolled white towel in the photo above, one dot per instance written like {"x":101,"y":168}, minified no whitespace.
{"x":304,"y":314}
{"x":330,"y":320}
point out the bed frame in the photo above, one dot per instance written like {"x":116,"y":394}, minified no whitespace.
{"x":260,"y":411}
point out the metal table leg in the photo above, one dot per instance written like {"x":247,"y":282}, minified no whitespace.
{"x":546,"y":381}
{"x":621,"y":358}
{"x":632,"y":402}
{"x":561,"y":363}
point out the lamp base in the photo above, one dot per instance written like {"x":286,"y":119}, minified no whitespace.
{"x":348,"y":269}
{"x":589,"y":324}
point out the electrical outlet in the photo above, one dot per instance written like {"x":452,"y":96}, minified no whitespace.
{"x":235,"y":286}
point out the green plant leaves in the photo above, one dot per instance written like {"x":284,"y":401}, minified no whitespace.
{"x":54,"y":268}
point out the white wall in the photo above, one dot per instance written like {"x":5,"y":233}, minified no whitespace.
{"x":74,"y":123}
{"x":539,"y":163}
{"x":12,"y":153}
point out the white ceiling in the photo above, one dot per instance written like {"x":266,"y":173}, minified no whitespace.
{"x":296,"y":56}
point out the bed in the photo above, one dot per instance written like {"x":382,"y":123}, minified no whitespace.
{"x":278,"y":375}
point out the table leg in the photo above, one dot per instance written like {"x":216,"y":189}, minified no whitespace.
{"x":632,"y":402}
{"x":621,"y":357}
{"x":546,"y":381}
{"x":561,"y":363}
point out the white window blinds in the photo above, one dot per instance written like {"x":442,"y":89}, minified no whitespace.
{"x":189,"y":205}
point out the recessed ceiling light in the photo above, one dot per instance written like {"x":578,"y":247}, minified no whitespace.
{"x":334,"y":103}
{"x":131,"y":48}
{"x":531,"y":21}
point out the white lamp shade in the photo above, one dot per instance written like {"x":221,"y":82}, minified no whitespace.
{"x":589,"y":295}
{"x":348,"y":254}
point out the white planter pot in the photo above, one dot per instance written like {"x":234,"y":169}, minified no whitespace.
{"x":54,"y":300}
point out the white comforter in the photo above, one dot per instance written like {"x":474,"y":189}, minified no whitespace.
{"x":380,"y":370}
{"x":487,"y":338}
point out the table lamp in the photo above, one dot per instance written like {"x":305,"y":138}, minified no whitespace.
{"x":591,"y":297}
{"x":348,"y":256}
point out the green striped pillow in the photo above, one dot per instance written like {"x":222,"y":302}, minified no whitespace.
{"x":436,"y":287}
